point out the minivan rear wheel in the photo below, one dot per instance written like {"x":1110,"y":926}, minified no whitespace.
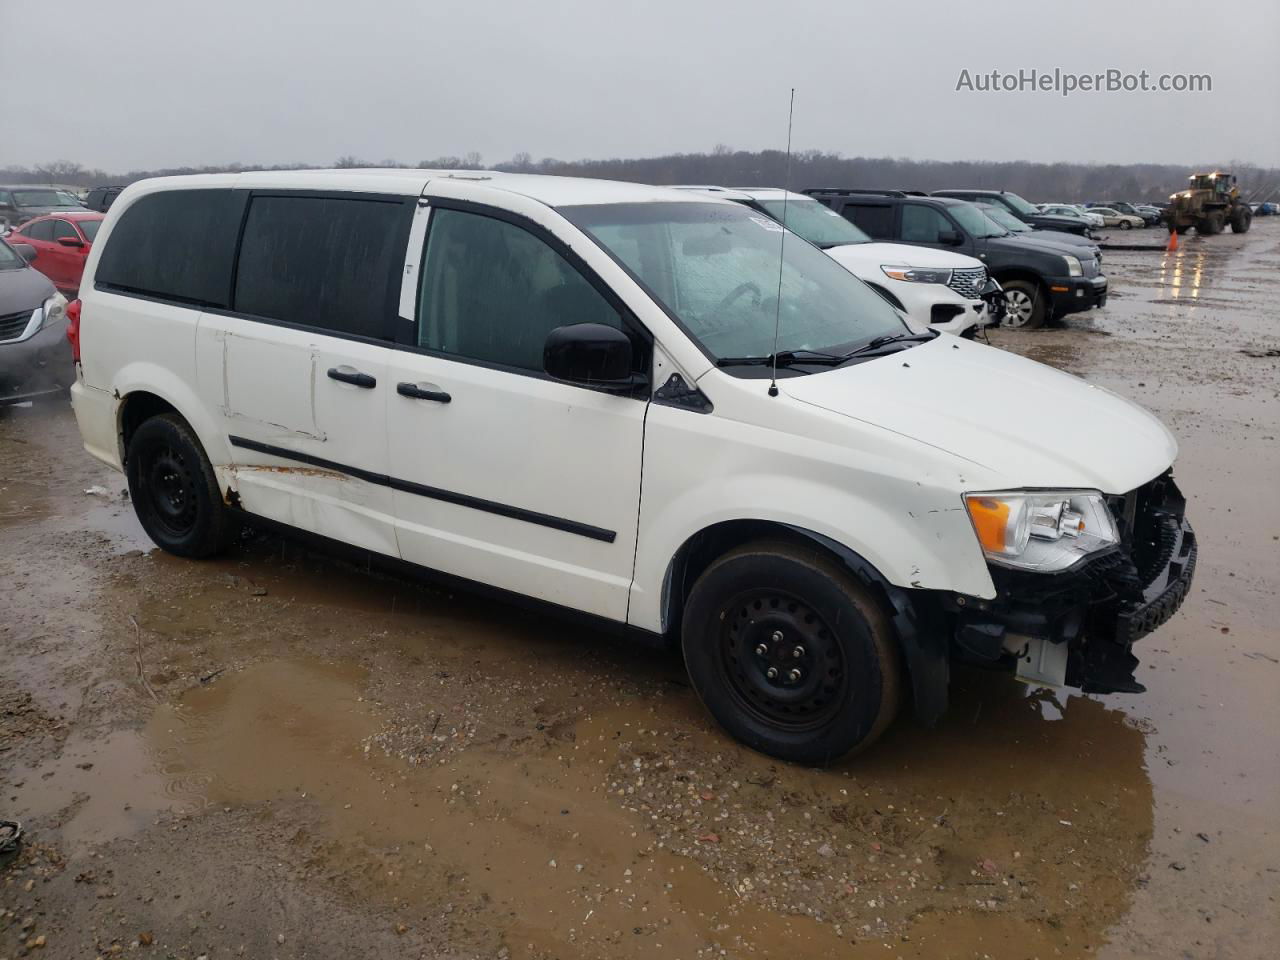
{"x":174,"y":489}
{"x":790,"y":654}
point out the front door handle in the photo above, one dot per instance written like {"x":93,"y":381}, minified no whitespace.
{"x":352,"y":376}
{"x":422,"y":393}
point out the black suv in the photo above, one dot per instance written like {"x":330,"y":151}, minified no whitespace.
{"x":1042,"y":279}
{"x":101,"y":198}
{"x":1019,"y":208}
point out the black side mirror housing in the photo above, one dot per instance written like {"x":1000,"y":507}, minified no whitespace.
{"x":592,"y":355}
{"x":949,"y":237}
{"x":74,"y":242}
{"x":25,"y":250}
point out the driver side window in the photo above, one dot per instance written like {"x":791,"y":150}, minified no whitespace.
{"x":922,"y":224}
{"x":492,"y":291}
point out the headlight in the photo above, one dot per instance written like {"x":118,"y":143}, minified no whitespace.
{"x":917,"y":274}
{"x":1073,"y":267}
{"x":1042,"y":532}
{"x":54,"y":309}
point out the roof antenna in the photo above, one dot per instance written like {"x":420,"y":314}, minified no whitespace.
{"x":782,"y":246}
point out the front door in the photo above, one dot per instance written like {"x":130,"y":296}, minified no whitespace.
{"x":501,"y":474}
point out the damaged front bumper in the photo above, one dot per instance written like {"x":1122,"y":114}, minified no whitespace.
{"x":1077,"y":628}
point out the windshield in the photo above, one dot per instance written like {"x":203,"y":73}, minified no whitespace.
{"x":68,"y":199}
{"x":1019,"y":204}
{"x":975,"y":222}
{"x":89,"y":228}
{"x":9,"y":259}
{"x":816,"y":222}
{"x":715,"y":269}
{"x":1006,"y":219}
{"x":37,"y":198}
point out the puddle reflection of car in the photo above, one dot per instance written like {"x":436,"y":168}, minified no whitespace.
{"x":635,"y":405}
{"x":34,"y":357}
{"x":62,"y":243}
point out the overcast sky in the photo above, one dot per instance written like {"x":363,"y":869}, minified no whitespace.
{"x":152,"y":83}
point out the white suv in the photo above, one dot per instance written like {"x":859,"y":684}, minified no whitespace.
{"x":936,"y":288}
{"x":634,"y":404}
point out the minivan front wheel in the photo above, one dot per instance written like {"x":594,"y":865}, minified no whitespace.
{"x":174,"y":489}
{"x":790,"y":654}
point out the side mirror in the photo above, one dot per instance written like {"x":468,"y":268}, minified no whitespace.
{"x":25,"y":250}
{"x":590,"y":354}
{"x":71,"y":242}
{"x":949,"y":237}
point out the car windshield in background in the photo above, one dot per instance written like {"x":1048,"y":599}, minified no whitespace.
{"x":37,"y":198}
{"x":1004,"y":218}
{"x":977,"y":223}
{"x":89,"y":228}
{"x":9,"y":259}
{"x":816,"y":222}
{"x":1019,"y":204}
{"x":68,"y":199}
{"x":715,"y":268}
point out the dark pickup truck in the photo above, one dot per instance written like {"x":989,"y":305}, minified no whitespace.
{"x":1042,"y":279}
{"x":1020,"y":208}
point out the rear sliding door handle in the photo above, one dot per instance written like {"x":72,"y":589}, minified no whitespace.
{"x":352,"y":376}
{"x":422,"y":393}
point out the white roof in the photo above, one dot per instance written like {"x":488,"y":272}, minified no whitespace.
{"x":553,"y":191}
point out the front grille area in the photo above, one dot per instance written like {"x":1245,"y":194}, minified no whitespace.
{"x":968,"y":281}
{"x":13,"y":324}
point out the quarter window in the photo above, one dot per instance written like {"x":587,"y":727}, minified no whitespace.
{"x":175,"y":245}
{"x":326,"y":262}
{"x":492,"y":291}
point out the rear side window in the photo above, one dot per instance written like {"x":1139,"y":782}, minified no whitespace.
{"x":175,"y":245}
{"x":876,"y":220}
{"x":322,"y":262}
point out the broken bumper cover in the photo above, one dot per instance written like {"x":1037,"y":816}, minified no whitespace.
{"x":1094,"y":612}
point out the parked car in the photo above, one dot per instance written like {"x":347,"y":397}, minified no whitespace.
{"x":1071,"y":210}
{"x":70,"y":198}
{"x":1019,"y":208}
{"x":18,"y":204}
{"x":1042,"y":280}
{"x":1001,"y":215}
{"x":1114,"y":218}
{"x":62,"y":243}
{"x":1133,"y":210}
{"x":936,"y":288}
{"x":101,"y":198}
{"x":34,"y":358}
{"x":817,"y":539}
{"x":1267,"y":209}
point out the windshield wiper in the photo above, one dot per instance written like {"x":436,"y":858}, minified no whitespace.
{"x":890,"y":338}
{"x":784,"y":358}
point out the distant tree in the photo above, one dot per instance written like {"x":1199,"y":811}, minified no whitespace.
{"x":472,"y":160}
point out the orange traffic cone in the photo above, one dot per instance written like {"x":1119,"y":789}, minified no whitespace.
{"x":1173,"y":241}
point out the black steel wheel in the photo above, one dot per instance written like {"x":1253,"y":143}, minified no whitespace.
{"x":174,"y":489}
{"x":790,"y":653}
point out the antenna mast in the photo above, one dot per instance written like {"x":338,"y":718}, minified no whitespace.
{"x":782,"y":246}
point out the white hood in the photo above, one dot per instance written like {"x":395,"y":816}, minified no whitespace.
{"x":1030,"y":424}
{"x":858,"y":257}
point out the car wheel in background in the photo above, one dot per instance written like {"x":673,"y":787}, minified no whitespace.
{"x":174,"y":489}
{"x":1125,"y":225}
{"x":790,"y":653}
{"x":1024,"y":305}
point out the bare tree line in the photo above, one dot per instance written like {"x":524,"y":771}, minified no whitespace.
{"x":810,"y":168}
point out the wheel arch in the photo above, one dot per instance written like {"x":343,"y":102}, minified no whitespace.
{"x":914,"y":614}
{"x":147,"y":390}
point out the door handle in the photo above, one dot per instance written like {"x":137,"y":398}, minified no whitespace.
{"x":422,"y":393}
{"x":353,"y":377}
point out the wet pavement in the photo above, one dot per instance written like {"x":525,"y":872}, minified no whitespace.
{"x":276,"y":754}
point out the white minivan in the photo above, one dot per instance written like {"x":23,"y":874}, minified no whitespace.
{"x":634,"y":404}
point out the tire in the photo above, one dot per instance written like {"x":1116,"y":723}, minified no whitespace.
{"x":1025,"y":307}
{"x":1242,"y":221}
{"x":1183,"y":228}
{"x":174,"y":490}
{"x":781,"y":598}
{"x":1125,"y":225}
{"x":1210,"y":225}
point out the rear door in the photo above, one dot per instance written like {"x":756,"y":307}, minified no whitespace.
{"x":66,"y":262}
{"x":874,"y":218}
{"x":298,"y":366}
{"x":503,"y":475}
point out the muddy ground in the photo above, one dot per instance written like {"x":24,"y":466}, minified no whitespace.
{"x":279,"y":755}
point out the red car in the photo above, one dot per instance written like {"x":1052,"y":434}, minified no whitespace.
{"x":61,"y":242}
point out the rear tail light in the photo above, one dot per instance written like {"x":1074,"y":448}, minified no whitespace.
{"x":73,"y":328}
